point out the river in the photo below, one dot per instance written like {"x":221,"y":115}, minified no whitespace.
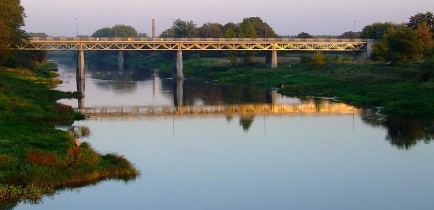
{"x":324,"y":155}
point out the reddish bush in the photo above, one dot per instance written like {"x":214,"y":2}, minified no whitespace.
{"x":38,"y":157}
{"x":74,"y":154}
{"x":62,"y":108}
{"x":4,"y":158}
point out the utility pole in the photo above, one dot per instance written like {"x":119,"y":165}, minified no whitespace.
{"x":76,"y":27}
{"x":265,"y":28}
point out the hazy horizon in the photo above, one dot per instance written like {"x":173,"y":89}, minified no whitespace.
{"x":316,"y":17}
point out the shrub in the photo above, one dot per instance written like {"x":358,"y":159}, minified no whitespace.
{"x":38,"y":157}
{"x":319,"y":59}
{"x":4,"y":158}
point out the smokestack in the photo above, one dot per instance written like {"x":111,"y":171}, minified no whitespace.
{"x":153,"y":28}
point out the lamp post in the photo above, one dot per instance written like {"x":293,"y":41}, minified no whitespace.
{"x":76,"y":27}
{"x":265,"y":28}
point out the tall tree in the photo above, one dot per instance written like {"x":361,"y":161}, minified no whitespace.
{"x":400,"y":45}
{"x":104,"y":32}
{"x":232,"y":26}
{"x":11,"y":19}
{"x":247,"y":30}
{"x":124,"y":31}
{"x":211,"y":30}
{"x":182,"y":29}
{"x":425,"y":37}
{"x":262,"y":29}
{"x":232,"y":55}
{"x":419,"y":18}
{"x":376,"y":30}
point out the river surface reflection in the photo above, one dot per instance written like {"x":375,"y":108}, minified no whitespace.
{"x":317,"y":158}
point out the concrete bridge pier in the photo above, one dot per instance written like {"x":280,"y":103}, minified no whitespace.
{"x":80,"y":65}
{"x":178,"y":65}
{"x":81,"y":88}
{"x":121,"y":60}
{"x":178,"y":92}
{"x":271,"y":58}
{"x":366,"y":53}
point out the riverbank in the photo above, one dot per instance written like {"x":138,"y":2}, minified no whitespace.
{"x":36,"y":158}
{"x":396,"y":89}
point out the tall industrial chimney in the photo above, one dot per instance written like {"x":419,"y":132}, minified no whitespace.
{"x":153,"y":28}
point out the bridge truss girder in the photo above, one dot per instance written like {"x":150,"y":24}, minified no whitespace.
{"x":191,"y":45}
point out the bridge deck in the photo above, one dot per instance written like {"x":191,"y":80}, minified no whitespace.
{"x":281,"y":44}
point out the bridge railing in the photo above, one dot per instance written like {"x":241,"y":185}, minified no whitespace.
{"x":102,"y":39}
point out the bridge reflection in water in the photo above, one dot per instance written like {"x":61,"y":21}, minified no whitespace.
{"x":313,"y":106}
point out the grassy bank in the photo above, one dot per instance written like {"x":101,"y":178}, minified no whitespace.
{"x":395,"y":88}
{"x":35,"y":157}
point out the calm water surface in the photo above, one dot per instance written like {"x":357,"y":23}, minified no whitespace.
{"x":302,"y":161}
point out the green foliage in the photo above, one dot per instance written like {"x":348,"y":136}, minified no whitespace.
{"x":124,"y":31}
{"x":121,"y":31}
{"x":40,"y":35}
{"x":11,"y":19}
{"x":235,"y":28}
{"x":427,"y":69}
{"x":400,"y":45}
{"x":211,"y":30}
{"x":319,"y":59}
{"x":261,"y":28}
{"x":304,"y":35}
{"x":183,"y":29}
{"x":376,"y":30}
{"x":420,"y":18}
{"x":247,"y":30}
{"x":104,"y":32}
{"x":35,"y":157}
{"x":349,"y":35}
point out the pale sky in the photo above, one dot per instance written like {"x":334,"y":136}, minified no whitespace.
{"x":286,"y":17}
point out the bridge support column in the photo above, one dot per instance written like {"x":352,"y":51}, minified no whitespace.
{"x":121,"y":60}
{"x":81,"y":88}
{"x":80,"y":65}
{"x":271,"y":58}
{"x":178,"y":65}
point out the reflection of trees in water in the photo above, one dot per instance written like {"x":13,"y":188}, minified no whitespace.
{"x":117,"y":86}
{"x":406,"y":133}
{"x":119,"y":81}
{"x":214,"y":94}
{"x":246,"y":122}
{"x":403,"y":133}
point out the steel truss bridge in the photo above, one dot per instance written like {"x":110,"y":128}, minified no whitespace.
{"x":361,"y":47}
{"x":217,"y":44}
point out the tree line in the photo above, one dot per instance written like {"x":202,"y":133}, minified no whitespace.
{"x":11,"y":19}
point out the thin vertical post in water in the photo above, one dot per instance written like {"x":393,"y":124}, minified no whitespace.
{"x":80,"y":65}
